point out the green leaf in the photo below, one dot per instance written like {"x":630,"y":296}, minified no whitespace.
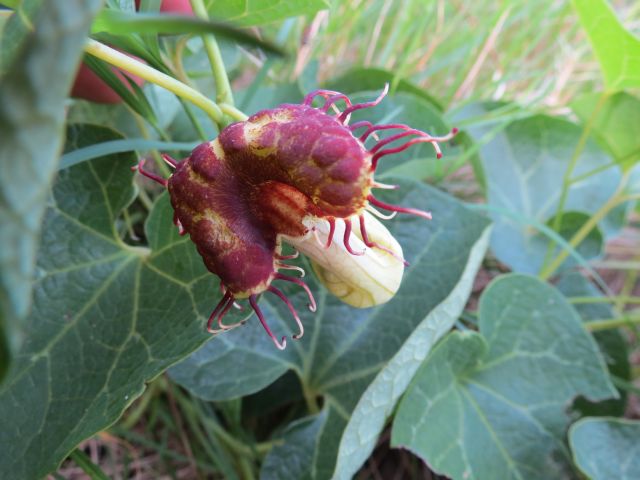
{"x":483,"y":405}
{"x":612,"y":343}
{"x":107,"y":317}
{"x":371,"y":79}
{"x":15,"y":32}
{"x":617,"y":50}
{"x":117,"y":22}
{"x":294,"y":457}
{"x":41,"y":48}
{"x":590,"y":248}
{"x":249,"y":13}
{"x":346,"y":351}
{"x":11,"y":3}
{"x":524,"y":164}
{"x":615,"y":124}
{"x":606,"y":448}
{"x":110,"y":147}
{"x":378,"y":401}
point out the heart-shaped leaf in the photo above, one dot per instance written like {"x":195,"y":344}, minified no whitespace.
{"x":612,"y":343}
{"x":606,"y":448}
{"x":107,"y":317}
{"x":483,"y":405}
{"x":524,"y":164}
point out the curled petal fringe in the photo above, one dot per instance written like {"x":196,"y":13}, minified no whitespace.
{"x":281,"y":345}
{"x":396,"y":208}
{"x":297,"y":281}
{"x":293,"y":311}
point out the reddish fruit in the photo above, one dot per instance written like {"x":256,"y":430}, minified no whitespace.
{"x":270,"y":178}
{"x":89,"y":86}
{"x":173,"y":6}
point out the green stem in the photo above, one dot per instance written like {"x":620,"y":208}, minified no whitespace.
{"x":624,"y":385}
{"x":630,"y":198}
{"x":630,"y":280}
{"x":223,"y":88}
{"x":616,"y":199}
{"x":232,"y":443}
{"x":609,"y":323}
{"x":566,"y":180}
{"x":135,"y":414}
{"x":233,"y":112}
{"x":588,"y":300}
{"x":590,"y":173}
{"x":84,"y":462}
{"x":145,"y":199}
{"x":617,"y":265}
{"x":310,"y":399}
{"x":131,"y":65}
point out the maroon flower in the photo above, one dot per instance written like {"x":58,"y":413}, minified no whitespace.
{"x":277,"y":176}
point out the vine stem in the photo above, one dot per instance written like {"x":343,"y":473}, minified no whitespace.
{"x":566,"y":179}
{"x":310,"y":399}
{"x":215,"y":111}
{"x":223,"y":88}
{"x":588,"y":300}
{"x":616,"y":199}
{"x":582,"y":141}
{"x":609,"y":323}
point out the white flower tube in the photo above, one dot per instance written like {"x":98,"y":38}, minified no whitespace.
{"x":358,"y":280}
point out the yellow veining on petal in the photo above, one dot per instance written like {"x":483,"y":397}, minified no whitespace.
{"x":218,"y":151}
{"x":360,"y":281}
{"x":253,"y":129}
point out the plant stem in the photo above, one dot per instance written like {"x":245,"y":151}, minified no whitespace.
{"x":223,"y":88}
{"x":624,"y":385}
{"x":310,"y":399}
{"x":84,"y":462}
{"x":135,"y":414}
{"x":609,"y":323}
{"x":566,"y":180}
{"x":233,"y":112}
{"x":131,"y":65}
{"x":616,"y":199}
{"x":588,"y":300}
{"x":631,"y":278}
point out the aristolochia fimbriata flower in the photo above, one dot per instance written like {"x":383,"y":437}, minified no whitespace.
{"x":298,"y":174}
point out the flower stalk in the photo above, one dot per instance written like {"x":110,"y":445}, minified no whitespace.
{"x":223,"y":88}
{"x":214,"y":110}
